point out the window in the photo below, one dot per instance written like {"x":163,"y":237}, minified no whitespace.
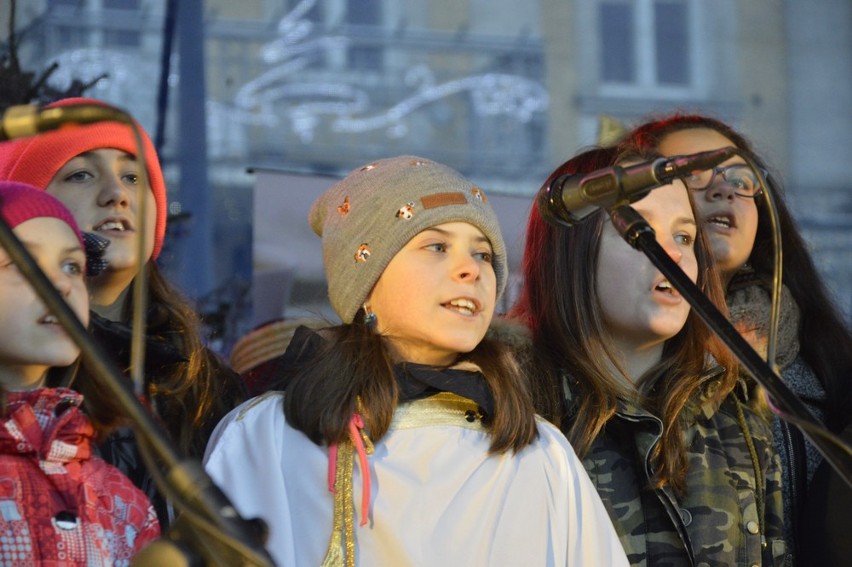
{"x":121,"y":29}
{"x":313,"y":14}
{"x":363,"y":54}
{"x":122,"y":38}
{"x":121,"y":4}
{"x":306,"y":15}
{"x":618,"y":53}
{"x":645,"y":43}
{"x":671,"y":43}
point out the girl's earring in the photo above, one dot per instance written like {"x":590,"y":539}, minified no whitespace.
{"x":369,"y":317}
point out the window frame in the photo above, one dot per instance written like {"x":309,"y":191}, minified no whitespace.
{"x":646,"y":84}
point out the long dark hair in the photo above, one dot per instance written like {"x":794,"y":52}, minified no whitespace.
{"x":825,"y":342}
{"x":190,"y":396}
{"x":560,"y":305}
{"x":353,"y":372}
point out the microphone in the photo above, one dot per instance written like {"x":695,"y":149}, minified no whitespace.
{"x":28,"y":120}
{"x":571,"y":198}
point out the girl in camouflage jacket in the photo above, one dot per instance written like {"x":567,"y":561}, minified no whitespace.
{"x":813,"y":348}
{"x":685,"y":469}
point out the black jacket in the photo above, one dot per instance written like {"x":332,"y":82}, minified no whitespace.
{"x":121,"y":447}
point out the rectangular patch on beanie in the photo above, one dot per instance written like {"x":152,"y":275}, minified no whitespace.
{"x":441,"y":199}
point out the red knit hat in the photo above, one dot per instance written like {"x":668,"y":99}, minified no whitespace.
{"x":20,"y":202}
{"x":37,"y":159}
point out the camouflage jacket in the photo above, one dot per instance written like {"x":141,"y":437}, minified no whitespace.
{"x":717,"y":522}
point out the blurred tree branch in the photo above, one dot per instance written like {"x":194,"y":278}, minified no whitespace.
{"x":23,"y":87}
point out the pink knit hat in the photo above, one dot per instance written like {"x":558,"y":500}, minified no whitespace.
{"x":20,"y":202}
{"x":37,"y":159}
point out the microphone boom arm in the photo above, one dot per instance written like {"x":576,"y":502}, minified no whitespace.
{"x":228,"y":539}
{"x":201,"y":491}
{"x":638,"y":233}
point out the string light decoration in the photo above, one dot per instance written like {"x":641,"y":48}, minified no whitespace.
{"x":345,"y":107}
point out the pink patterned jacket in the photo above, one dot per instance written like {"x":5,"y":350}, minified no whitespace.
{"x":59,"y":505}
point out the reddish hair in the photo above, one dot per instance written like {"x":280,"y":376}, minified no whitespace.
{"x":560,"y":305}
{"x":825,"y":342}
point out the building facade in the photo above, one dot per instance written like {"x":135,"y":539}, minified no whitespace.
{"x":502,"y":90}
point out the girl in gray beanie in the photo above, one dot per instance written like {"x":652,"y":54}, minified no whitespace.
{"x":453,"y":467}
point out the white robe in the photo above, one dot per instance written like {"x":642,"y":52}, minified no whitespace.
{"x":437,"y":497}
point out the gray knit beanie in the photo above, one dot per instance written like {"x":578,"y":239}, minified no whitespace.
{"x":367,"y":217}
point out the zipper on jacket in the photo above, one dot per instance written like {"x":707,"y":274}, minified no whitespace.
{"x":792,"y":441}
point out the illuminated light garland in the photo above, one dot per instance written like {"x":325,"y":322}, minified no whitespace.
{"x":275,"y":96}
{"x":491,"y":93}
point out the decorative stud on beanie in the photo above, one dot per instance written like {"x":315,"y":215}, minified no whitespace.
{"x":37,"y":159}
{"x":20,"y":202}
{"x":367,"y":217}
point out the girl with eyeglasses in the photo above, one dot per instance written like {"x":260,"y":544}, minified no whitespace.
{"x":814,"y":350}
{"x":646,"y":395}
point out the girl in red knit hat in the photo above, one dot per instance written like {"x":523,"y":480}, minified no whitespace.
{"x":93,"y":170}
{"x":59,"y":504}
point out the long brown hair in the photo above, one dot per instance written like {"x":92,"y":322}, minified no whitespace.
{"x":825,"y":342}
{"x":189,"y":397}
{"x":353,"y":372}
{"x":560,"y":305}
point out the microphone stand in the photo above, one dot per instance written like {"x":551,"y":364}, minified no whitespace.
{"x":227,"y":539}
{"x":638,"y":233}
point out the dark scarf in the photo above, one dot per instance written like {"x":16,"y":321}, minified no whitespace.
{"x":414,"y":381}
{"x":116,"y":338}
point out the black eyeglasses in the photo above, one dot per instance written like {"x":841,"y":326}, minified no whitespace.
{"x":739,"y":176}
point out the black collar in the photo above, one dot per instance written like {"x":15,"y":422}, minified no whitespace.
{"x":415,"y":381}
{"x":418,"y":381}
